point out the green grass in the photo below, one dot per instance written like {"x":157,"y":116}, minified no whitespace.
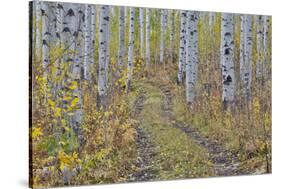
{"x":177,"y":155}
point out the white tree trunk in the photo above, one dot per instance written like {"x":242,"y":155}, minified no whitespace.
{"x":141,"y":19}
{"x":172,"y":34}
{"x":45,"y":34}
{"x":69,"y":30}
{"x":147,"y":39}
{"x":259,"y":64}
{"x":58,"y":43}
{"x":246,"y":56}
{"x":78,"y":64}
{"x":182,"y":45}
{"x":107,"y":41}
{"x":103,"y":21}
{"x":131,"y":48}
{"x":93,"y":36}
{"x":227,"y":58}
{"x":191,"y":64}
{"x":88,"y":42}
{"x":121,"y":51}
{"x":242,"y":45}
{"x":265,"y":45}
{"x":162,"y":33}
{"x":38,"y":41}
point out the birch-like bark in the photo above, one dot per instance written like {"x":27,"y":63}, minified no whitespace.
{"x":93,"y":35}
{"x":162,"y":31}
{"x":227,"y":58}
{"x":141,"y":19}
{"x":107,"y":42}
{"x":131,"y":48}
{"x":38,"y":41}
{"x":147,"y":39}
{"x":59,"y":24}
{"x":242,"y":45}
{"x":212,"y":17}
{"x":45,"y":34}
{"x":69,"y":40}
{"x":259,"y":64}
{"x":246,"y":55}
{"x":69,"y":31}
{"x":103,"y":19}
{"x":79,"y":11}
{"x":58,"y":11}
{"x":121,"y":51}
{"x":182,"y":45}
{"x":265,"y":46}
{"x":88,"y":42}
{"x":191,"y":64}
{"x":172,"y":35}
{"x":194,"y":18}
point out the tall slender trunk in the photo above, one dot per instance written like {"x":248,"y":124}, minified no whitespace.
{"x":227,"y":58}
{"x":191,"y":63}
{"x":246,"y":55}
{"x":121,"y":50}
{"x":77,"y":66}
{"x":141,"y":18}
{"x":147,"y":39}
{"x":162,"y":40}
{"x":265,"y":46}
{"x":45,"y":35}
{"x":38,"y":38}
{"x":107,"y":43}
{"x":88,"y":42}
{"x":103,"y":19}
{"x":131,"y":48}
{"x":182,"y":48}
{"x":172,"y":35}
{"x":259,"y":64}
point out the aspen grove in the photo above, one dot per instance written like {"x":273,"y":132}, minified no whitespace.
{"x":126,"y":94}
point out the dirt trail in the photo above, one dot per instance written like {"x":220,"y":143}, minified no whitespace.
{"x":145,"y":149}
{"x":225,"y":163}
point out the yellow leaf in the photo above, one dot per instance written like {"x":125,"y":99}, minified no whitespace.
{"x":51,"y":103}
{"x":75,"y":155}
{"x":64,"y":158}
{"x":62,"y":166}
{"x":73,"y":85}
{"x":58,"y":112}
{"x":36,"y":133}
{"x":74,"y":101}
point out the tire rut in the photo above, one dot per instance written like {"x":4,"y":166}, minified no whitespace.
{"x":145,"y":149}
{"x":225,"y":162}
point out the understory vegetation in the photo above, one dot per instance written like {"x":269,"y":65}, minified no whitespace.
{"x":176,"y":98}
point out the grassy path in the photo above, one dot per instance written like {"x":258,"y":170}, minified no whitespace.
{"x":164,"y":151}
{"x":225,"y":163}
{"x":170,"y":149}
{"x":145,"y":149}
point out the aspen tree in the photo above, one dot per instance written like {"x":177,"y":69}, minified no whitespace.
{"x":131,"y":48}
{"x":182,"y":47}
{"x":227,"y":58}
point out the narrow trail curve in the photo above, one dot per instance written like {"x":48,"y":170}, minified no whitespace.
{"x":145,"y":149}
{"x":225,"y":163}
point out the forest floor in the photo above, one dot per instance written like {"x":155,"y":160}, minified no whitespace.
{"x":167,"y":146}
